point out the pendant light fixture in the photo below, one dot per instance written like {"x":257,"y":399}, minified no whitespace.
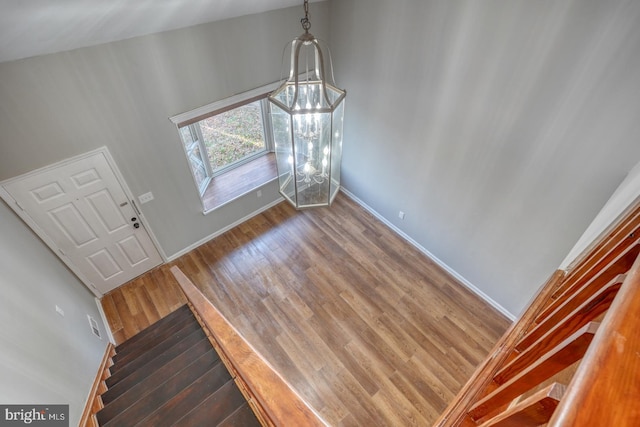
{"x":306,"y":117}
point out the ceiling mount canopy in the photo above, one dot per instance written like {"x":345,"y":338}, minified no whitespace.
{"x":307,"y":113}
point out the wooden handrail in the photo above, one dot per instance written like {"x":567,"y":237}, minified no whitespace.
{"x":606,"y":387}
{"x":273,"y":400}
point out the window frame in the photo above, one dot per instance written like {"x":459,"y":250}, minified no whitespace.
{"x":189,"y":152}
{"x":192,"y":117}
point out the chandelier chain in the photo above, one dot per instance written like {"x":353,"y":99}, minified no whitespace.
{"x":306,"y":24}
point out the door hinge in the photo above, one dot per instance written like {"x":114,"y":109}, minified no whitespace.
{"x":19,"y":205}
{"x":62,"y":252}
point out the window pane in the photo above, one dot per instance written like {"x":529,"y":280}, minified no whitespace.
{"x":233,"y":135}
{"x":188,"y":136}
{"x":199,"y":170}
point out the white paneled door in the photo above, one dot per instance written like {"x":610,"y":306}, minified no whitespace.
{"x":82,"y":211}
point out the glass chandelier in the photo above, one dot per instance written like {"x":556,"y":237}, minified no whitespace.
{"x":306,"y":117}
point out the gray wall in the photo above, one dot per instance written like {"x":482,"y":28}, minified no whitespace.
{"x":121,"y":94}
{"x":44,"y":358}
{"x":624,"y":199}
{"x":500,"y":127}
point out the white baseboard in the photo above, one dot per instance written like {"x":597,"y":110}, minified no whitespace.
{"x":223,"y":230}
{"x":105,"y":322}
{"x":435,"y":259}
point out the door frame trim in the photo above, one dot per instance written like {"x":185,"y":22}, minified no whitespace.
{"x":13,"y":204}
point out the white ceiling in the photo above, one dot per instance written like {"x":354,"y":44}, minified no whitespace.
{"x":36,"y":27}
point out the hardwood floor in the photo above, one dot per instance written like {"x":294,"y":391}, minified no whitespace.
{"x":365,"y":327}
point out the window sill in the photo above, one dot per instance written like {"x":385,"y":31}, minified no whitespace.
{"x":239,"y":181}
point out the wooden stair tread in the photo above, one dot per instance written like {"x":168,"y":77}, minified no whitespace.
{"x":161,"y":333}
{"x":243,"y":416}
{"x":173,"y":376}
{"x":189,"y":398}
{"x":115,"y":389}
{"x":534,"y":411}
{"x":164,"y":392}
{"x":152,"y":329}
{"x":217,"y":407}
{"x":146,"y":386}
{"x":554,"y":361}
{"x":119,"y":373}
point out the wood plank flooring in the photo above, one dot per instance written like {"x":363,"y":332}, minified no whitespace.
{"x":365,"y":327}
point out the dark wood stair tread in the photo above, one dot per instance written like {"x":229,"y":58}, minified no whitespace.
{"x":215,"y":408}
{"x":166,"y":391}
{"x":153,"y":329}
{"x":117,"y":388}
{"x":163,"y":332}
{"x":242,"y":417}
{"x":119,"y":373}
{"x":190,"y":397}
{"x":169,"y":374}
{"x":129,"y":396}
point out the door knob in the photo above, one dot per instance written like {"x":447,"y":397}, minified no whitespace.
{"x":136,"y":225}
{"x":134,"y":219}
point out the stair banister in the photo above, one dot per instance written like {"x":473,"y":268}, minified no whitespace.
{"x":605,"y":390}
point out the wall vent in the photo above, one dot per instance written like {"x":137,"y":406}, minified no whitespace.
{"x":94,"y":326}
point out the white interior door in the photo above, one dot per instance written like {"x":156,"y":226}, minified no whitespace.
{"x":82,"y":211}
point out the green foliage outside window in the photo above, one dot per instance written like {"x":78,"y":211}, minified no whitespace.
{"x":233,"y":135}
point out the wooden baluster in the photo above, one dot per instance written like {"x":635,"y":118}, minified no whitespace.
{"x":481,"y":383}
{"x":554,"y":361}
{"x":605,"y":389}
{"x":557,"y":328}
{"x":534,"y":411}
{"x":620,"y":265}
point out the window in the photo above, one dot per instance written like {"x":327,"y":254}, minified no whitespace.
{"x":225,"y":142}
{"x":194,"y":149}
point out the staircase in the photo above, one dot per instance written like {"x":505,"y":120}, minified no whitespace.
{"x":573,"y":357}
{"x":170,"y":375}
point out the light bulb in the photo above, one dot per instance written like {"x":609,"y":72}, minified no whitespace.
{"x":326,"y":150}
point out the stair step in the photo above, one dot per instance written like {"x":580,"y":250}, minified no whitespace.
{"x":121,"y":380}
{"x":166,"y":391}
{"x":189,"y":398}
{"x":191,"y":341}
{"x":121,"y":372}
{"x":151,"y":330}
{"x":167,"y":331}
{"x":243,"y":416}
{"x":169,"y":374}
{"x":128,"y":397}
{"x":216,"y":408}
{"x":157,"y":344}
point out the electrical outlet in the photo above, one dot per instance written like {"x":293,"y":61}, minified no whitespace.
{"x":401,"y":215}
{"x":145,"y":198}
{"x":59,"y":311}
